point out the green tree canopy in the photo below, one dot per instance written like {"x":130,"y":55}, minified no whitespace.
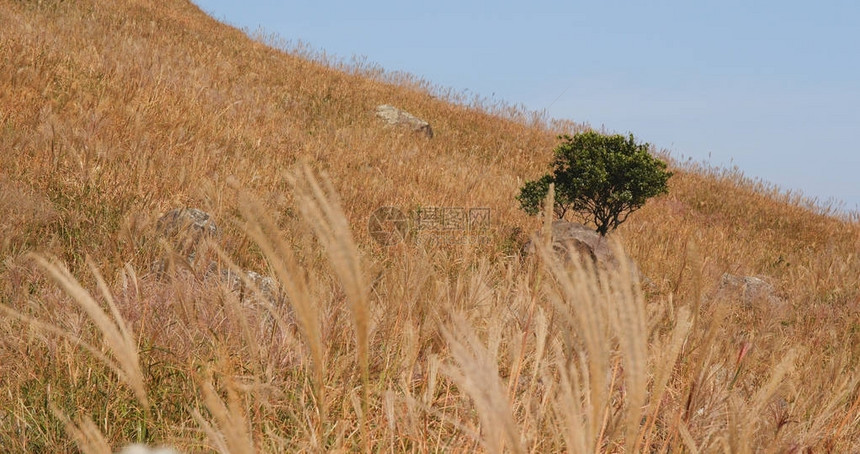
{"x":602,"y":178}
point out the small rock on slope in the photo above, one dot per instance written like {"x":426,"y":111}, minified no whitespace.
{"x":396,"y":117}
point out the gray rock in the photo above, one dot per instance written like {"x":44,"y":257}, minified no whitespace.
{"x":750,"y":289}
{"x":570,"y":239}
{"x":183,"y":219}
{"x":185,"y":228}
{"x":396,"y":117}
{"x":268,"y":286}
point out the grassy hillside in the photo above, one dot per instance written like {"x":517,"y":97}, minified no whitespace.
{"x":113,"y":113}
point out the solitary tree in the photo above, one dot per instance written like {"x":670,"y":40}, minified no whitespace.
{"x":602,"y":178}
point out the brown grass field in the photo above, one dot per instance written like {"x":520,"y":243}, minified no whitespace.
{"x":113,"y":113}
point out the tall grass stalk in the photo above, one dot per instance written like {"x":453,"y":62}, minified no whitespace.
{"x":321,"y":209}
{"x":84,"y":432}
{"x":230,"y":434}
{"x":476,"y":373}
{"x":294,"y":280}
{"x":115,"y":332}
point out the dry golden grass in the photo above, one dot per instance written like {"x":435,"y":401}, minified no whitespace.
{"x":115,"y":112}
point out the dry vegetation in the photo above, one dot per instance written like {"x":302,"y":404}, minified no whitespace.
{"x":112,"y":113}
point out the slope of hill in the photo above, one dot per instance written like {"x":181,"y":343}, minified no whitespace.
{"x":112,"y":113}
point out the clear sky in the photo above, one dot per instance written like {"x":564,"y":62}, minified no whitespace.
{"x":770,"y":86}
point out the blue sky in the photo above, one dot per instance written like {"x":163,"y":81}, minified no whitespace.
{"x":770,"y":86}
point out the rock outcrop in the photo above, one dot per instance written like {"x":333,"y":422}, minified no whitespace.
{"x":185,"y":229}
{"x":400,"y":118}
{"x":267,"y":286}
{"x":749,"y":289}
{"x":570,"y":239}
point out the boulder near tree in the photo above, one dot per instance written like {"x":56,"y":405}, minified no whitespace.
{"x":570,"y":240}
